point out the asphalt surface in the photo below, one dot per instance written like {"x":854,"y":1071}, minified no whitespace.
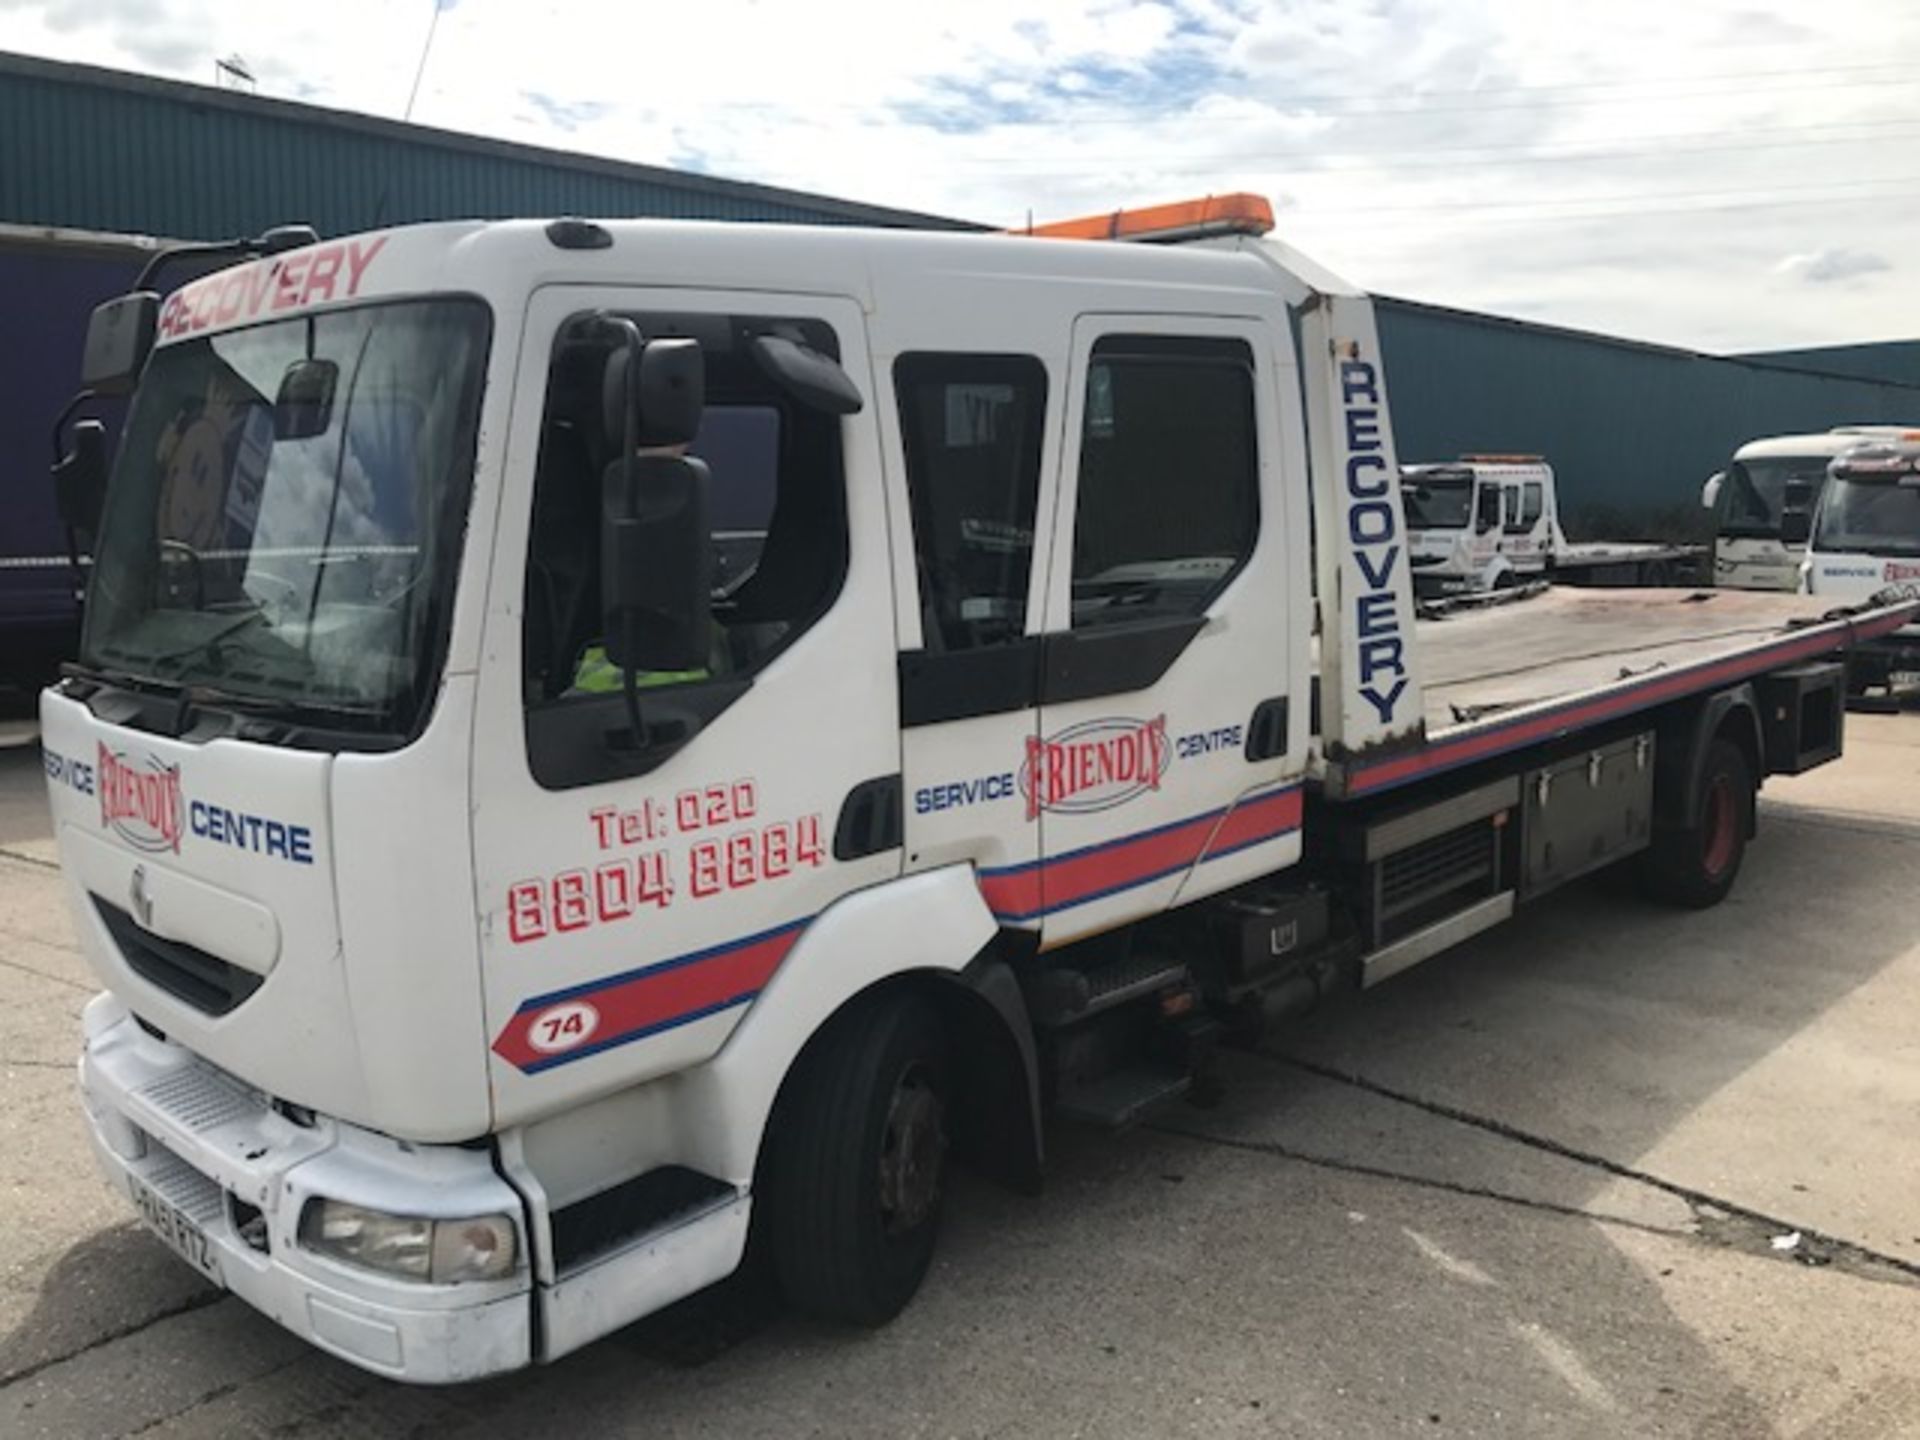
{"x":1544,"y":1185}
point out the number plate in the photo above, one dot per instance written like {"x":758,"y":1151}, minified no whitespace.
{"x":183,"y":1237}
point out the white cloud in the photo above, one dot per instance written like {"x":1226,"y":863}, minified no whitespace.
{"x":1638,"y":168}
{"x":1824,"y":267}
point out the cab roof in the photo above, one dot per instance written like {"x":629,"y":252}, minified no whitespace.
{"x":506,"y":259}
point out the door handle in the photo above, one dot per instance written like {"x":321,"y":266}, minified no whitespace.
{"x":1267,"y":730}
{"x":870,"y":819}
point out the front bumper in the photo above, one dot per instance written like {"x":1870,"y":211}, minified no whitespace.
{"x":165,"y":1123}
{"x":1879,"y":661}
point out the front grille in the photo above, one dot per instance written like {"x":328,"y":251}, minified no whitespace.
{"x":203,"y":981}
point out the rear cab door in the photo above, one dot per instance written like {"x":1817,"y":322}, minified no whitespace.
{"x":1173,"y":692}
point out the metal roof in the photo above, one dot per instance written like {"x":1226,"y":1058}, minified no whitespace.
{"x":97,"y":149}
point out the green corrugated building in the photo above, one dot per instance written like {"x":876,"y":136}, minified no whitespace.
{"x":89,"y":149}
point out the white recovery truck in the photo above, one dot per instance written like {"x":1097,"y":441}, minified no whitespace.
{"x":1486,"y":523}
{"x":1748,"y":500}
{"x":595,"y":743}
{"x":1862,"y":539}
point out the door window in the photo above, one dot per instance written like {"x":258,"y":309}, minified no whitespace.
{"x":1532,"y":502}
{"x":972,"y":427}
{"x":1168,"y":504}
{"x":1486,"y":515}
{"x":778,"y":533}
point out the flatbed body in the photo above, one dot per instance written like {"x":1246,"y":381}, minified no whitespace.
{"x":1503,"y":677}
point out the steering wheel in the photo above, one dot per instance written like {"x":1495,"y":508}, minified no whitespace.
{"x":181,"y":547}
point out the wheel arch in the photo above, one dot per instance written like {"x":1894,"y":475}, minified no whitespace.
{"x":931,"y":934}
{"x":1683,"y":739}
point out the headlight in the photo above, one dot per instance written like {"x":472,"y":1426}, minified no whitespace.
{"x":438,"y":1251}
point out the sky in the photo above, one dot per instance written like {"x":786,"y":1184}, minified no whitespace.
{"x":1719,"y":174}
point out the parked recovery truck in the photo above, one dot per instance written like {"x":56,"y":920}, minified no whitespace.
{"x":1492,"y":522}
{"x":595,"y":743}
{"x":1862,"y":539}
{"x":1749,"y":497}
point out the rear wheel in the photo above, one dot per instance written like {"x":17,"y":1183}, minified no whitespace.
{"x":1696,"y":865}
{"x":857,"y":1161}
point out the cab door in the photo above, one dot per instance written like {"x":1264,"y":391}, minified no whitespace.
{"x":636,"y":898}
{"x":1172,"y":736}
{"x":975,"y":429}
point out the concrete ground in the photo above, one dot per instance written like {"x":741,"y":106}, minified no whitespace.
{"x":1542,"y":1186}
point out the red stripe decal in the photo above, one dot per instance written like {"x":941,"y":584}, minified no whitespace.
{"x":1025,"y":892}
{"x":631,"y":1007}
{"x":1255,"y":821}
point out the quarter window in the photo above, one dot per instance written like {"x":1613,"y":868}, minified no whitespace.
{"x":1168,"y":503}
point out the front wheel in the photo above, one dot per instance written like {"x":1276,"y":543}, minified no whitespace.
{"x":1696,"y":865}
{"x":857,"y":1158}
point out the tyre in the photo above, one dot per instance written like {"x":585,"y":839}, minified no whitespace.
{"x":1506,"y":580}
{"x":857,"y":1160}
{"x":1696,"y":865}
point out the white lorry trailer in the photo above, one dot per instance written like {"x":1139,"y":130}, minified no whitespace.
{"x":1749,"y":497}
{"x":1492,"y":522}
{"x":593,"y":743}
{"x":1862,"y":539}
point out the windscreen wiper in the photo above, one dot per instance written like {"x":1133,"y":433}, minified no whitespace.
{"x":210,"y":646}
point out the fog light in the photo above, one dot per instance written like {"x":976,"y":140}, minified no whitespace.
{"x":442,"y":1252}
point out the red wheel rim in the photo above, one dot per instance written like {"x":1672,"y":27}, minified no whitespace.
{"x":1721,"y":827}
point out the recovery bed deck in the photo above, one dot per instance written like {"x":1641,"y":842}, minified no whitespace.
{"x":1504,"y":676}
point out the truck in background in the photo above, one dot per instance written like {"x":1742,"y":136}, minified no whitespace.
{"x":457,"y":1012}
{"x":1747,"y":500}
{"x":1485,"y":523}
{"x":50,"y":280}
{"x":1862,"y":539}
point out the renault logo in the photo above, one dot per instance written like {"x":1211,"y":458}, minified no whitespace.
{"x":142,"y":902}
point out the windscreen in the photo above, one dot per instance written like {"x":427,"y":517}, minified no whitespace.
{"x":1438,"y":502}
{"x":1754,"y":490}
{"x":1880,"y":517}
{"x":301,"y":563}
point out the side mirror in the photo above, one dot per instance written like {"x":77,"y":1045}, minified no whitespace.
{"x":80,"y":478}
{"x":664,"y":401}
{"x":303,"y":406}
{"x":815,"y":380}
{"x":1796,"y":525}
{"x":1710,"y":492}
{"x":656,"y":563}
{"x":656,"y":550}
{"x":119,"y":339}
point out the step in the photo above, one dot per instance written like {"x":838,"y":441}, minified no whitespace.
{"x":1122,"y":1097}
{"x":1065,"y":995}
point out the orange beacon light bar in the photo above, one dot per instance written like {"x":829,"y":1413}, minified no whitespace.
{"x":1238,"y":214}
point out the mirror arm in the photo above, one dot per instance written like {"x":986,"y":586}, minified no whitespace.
{"x":629,"y":480}
{"x":66,"y":414}
{"x":271,"y":242}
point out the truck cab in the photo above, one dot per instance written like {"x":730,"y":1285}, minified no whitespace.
{"x":1862,"y":540}
{"x":1481,"y":523}
{"x":1748,"y":497}
{"x":536,"y":677}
